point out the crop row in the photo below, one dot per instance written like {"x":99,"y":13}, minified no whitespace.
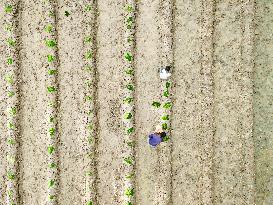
{"x":89,"y":56}
{"x":50,"y":43}
{"x":128,"y":103}
{"x":11,"y":78}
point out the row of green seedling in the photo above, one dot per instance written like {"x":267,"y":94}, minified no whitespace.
{"x":128,"y":104}
{"x":51,"y":71}
{"x":166,"y":106}
{"x":89,"y":10}
{"x":12,"y":100}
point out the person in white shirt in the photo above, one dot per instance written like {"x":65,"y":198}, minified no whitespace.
{"x":165,"y":73}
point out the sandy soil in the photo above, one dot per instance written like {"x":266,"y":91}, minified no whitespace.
{"x":218,"y":122}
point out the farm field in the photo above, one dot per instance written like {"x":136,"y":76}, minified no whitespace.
{"x":80,"y":93}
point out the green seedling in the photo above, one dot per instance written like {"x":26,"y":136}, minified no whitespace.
{"x":51,"y":183}
{"x":130,"y":87}
{"x":51,"y":13}
{"x":10,"y":175}
{"x":52,"y":72}
{"x":51,"y":197}
{"x":167,"y":105}
{"x":9,"y":79}
{"x":66,"y":13}
{"x":50,"y":58}
{"x":51,"y":131}
{"x":129,"y":176}
{"x":8,"y":27}
{"x":130,"y":130}
{"x":90,"y":139}
{"x":51,"y":43}
{"x":11,"y":42}
{"x":88,"y":83}
{"x":128,"y":160}
{"x":51,"y":104}
{"x":128,"y":56}
{"x":50,"y":149}
{"x":52,"y":165}
{"x":8,"y":9}
{"x":128,"y":115}
{"x":11,"y":141}
{"x":11,"y":93}
{"x":88,"y":98}
{"x":88,"y":173}
{"x":88,"y":55}
{"x":88,"y":39}
{"x":90,"y":126}
{"x":166,"y":93}
{"x":129,"y":8}
{"x":166,"y":138}
{"x":131,"y":144}
{"x":12,"y":111}
{"x":51,"y":89}
{"x":49,"y":28}
{"x":128,"y":100}
{"x":129,"y":192}
{"x":129,"y":71}
{"x":168,"y":84}
{"x":88,"y":8}
{"x":164,"y":126}
{"x":88,"y":68}
{"x":89,"y":203}
{"x":165,"y":117}
{"x":130,"y":20}
{"x":10,"y":61}
{"x":10,"y":125}
{"x":156,"y":104}
{"x":128,"y":203}
{"x":51,"y":119}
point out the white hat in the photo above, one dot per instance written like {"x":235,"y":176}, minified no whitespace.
{"x":158,"y":129}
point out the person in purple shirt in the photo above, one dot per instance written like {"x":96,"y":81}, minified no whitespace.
{"x":157,"y":137}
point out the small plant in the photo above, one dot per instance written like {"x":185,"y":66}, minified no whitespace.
{"x":51,"y":89}
{"x":50,"y":58}
{"x":128,"y":56}
{"x":164,"y":126}
{"x":129,"y":192}
{"x":52,"y":72}
{"x":168,"y":84}
{"x":129,"y":8}
{"x":166,"y":93}
{"x":128,"y":160}
{"x":129,"y":203}
{"x":52,"y":165}
{"x":51,"y":197}
{"x":51,"y":183}
{"x":89,"y":203}
{"x":129,"y":176}
{"x":128,"y":115}
{"x":156,"y":104}
{"x":88,"y":39}
{"x":51,"y":119}
{"x":11,"y":93}
{"x":10,"y":61}
{"x":130,"y":87}
{"x":88,"y":97}
{"x":130,"y":130}
{"x":51,"y":43}
{"x":50,"y":149}
{"x":128,"y":100}
{"x":166,"y":138}
{"x":165,"y":117}
{"x":12,"y":111}
{"x":129,"y":71}
{"x":51,"y":131}
{"x":10,"y":125}
{"x":167,"y":105}
{"x":88,"y":55}
{"x":49,"y":28}
{"x":11,"y":42}
{"x":8,"y":9}
{"x":88,"y":8}
{"x":11,"y":141}
{"x":66,"y":13}
{"x":9,"y":79}
{"x":10,"y":175}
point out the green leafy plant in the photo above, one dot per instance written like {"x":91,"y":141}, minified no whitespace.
{"x":128,"y":160}
{"x":128,"y":115}
{"x":89,"y":203}
{"x":88,"y":55}
{"x":10,"y":61}
{"x":52,"y":165}
{"x":52,"y":72}
{"x":164,"y":126}
{"x":51,"y":197}
{"x":165,"y":117}
{"x":8,"y":8}
{"x":130,"y":130}
{"x":166,"y":93}
{"x":51,"y":89}
{"x":88,"y":97}
{"x":10,"y":175}
{"x":50,"y":58}
{"x":51,"y":119}
{"x":51,"y":43}
{"x":128,"y":56}
{"x":128,"y":203}
{"x":129,"y":176}
{"x":11,"y":141}
{"x":129,"y":8}
{"x":90,"y":126}
{"x":88,"y":39}
{"x":131,"y":144}
{"x":130,"y":87}
{"x":11,"y":42}
{"x":167,"y":105}
{"x":49,"y":28}
{"x":156,"y":104}
{"x":167,"y":85}
{"x":51,"y":183}
{"x":88,"y":8}
{"x":88,"y":68}
{"x":128,"y":100}
{"x":90,"y":139}
{"x":9,"y":79}
{"x":10,"y":125}
{"x":11,"y":93}
{"x":51,"y":131}
{"x":166,"y":138}
{"x":66,"y":13}
{"x":129,"y":192}
{"x":12,"y":111}
{"x":50,"y":149}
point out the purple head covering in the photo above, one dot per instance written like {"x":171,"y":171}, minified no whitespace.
{"x":154,"y":139}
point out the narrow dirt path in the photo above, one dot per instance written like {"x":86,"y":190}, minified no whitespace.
{"x":263,"y":110}
{"x":110,"y":86}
